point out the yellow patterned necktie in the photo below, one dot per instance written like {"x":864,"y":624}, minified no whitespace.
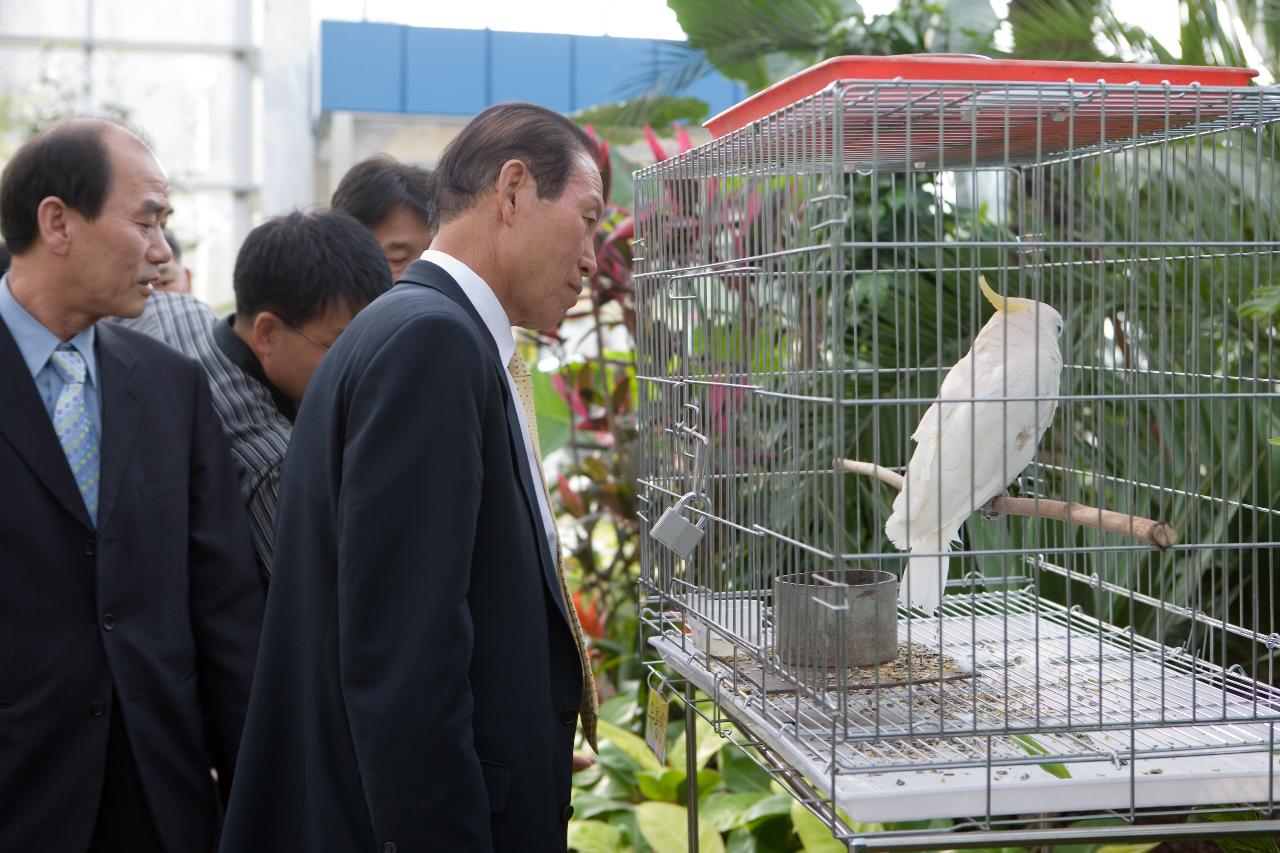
{"x":524,"y":387}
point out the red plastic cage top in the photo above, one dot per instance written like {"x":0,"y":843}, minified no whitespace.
{"x":947,"y":111}
{"x":966,"y":68}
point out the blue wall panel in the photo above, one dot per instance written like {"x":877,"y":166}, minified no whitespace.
{"x":445,"y":71}
{"x":608,"y":69}
{"x":532,"y":67}
{"x":361,"y":66}
{"x":369,"y":67}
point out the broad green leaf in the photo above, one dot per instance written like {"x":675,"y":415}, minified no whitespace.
{"x":778,"y":804}
{"x":709,"y":744}
{"x":727,"y":811}
{"x":619,"y":783}
{"x":665,"y":826}
{"x":553,"y":412}
{"x":675,"y":751}
{"x":663,"y":786}
{"x":584,"y":779}
{"x":634,"y":748}
{"x":627,"y":824}
{"x":708,"y":781}
{"x":1256,"y":844}
{"x":814,"y":834}
{"x":1246,"y":845}
{"x":742,"y":840}
{"x":587,"y":805}
{"x":621,"y":709}
{"x":740,"y":772}
{"x":1033,"y":747}
{"x":1276,"y":440}
{"x":1127,"y":848}
{"x":1264,"y":304}
{"x":594,"y":836}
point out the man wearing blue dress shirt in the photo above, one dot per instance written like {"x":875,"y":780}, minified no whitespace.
{"x":129,"y":599}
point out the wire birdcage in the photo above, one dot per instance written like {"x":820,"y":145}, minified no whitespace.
{"x":1107,"y":642}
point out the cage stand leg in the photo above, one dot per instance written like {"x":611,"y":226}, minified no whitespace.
{"x":691,"y":766}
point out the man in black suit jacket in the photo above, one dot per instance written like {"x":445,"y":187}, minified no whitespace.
{"x":419,"y":685}
{"x":129,"y":599}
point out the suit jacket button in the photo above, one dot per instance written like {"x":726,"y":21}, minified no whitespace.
{"x":390,"y":847}
{"x":90,"y":547}
{"x":108,"y":621}
{"x":569,"y":717}
{"x":97,"y":709}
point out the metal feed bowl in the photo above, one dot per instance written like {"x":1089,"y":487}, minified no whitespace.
{"x":835,"y":619}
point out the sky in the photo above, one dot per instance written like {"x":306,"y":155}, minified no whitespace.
{"x":633,"y":18}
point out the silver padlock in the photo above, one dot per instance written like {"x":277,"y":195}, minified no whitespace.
{"x":677,"y":532}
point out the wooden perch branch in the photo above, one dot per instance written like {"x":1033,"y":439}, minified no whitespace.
{"x":1144,"y":530}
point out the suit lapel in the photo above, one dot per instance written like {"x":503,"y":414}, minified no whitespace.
{"x":123,"y":398}
{"x":427,"y":274}
{"x":516,"y":439}
{"x":26,"y":425}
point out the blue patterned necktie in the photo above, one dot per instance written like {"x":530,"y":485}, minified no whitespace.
{"x":74,"y":427}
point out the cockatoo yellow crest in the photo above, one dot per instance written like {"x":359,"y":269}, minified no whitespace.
{"x":1002,"y":303}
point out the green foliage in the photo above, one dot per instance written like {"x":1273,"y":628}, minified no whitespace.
{"x":665,"y":828}
{"x":1264,"y":305}
{"x":1034,"y":747}
{"x":621,"y":121}
{"x":1238,"y":844}
{"x":815,"y":836}
{"x":761,"y":41}
{"x":594,"y":836}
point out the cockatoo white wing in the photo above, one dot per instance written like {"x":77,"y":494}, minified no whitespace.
{"x":918,"y":505}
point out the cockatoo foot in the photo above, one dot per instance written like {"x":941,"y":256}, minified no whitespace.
{"x":989,"y":512}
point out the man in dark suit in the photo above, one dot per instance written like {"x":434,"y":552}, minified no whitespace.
{"x":129,"y":600}
{"x":422,"y":672}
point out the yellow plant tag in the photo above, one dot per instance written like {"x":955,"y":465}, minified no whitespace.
{"x":655,"y":724}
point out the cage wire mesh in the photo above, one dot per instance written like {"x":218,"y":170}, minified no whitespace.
{"x":1107,"y":641}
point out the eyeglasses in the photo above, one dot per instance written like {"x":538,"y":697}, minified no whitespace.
{"x":298,"y":331}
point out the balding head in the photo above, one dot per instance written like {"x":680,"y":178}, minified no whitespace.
{"x":82,"y":206}
{"x":69,"y":160}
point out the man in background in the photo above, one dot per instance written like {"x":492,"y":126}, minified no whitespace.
{"x":395,"y":202}
{"x":174,"y":277}
{"x":129,"y":601}
{"x":299,"y":279}
{"x":422,"y":670}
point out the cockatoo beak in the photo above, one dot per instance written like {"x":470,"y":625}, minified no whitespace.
{"x":998,"y":302}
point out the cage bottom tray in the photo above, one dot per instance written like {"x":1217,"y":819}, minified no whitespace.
{"x":1090,"y":694}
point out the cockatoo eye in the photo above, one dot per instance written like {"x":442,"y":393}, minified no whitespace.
{"x":1059,"y":328}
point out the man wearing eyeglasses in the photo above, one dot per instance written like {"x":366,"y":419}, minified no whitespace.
{"x":299,"y":279}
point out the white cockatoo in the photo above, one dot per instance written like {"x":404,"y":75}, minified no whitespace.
{"x":968,"y":451}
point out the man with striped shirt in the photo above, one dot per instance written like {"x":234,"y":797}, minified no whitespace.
{"x":299,"y":279}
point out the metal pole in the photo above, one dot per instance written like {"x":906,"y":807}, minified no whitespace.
{"x":691,"y":765}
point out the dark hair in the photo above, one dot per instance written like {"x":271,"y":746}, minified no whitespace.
{"x":174,"y":246}
{"x":4,"y":259}
{"x":300,"y":265}
{"x":372,"y":188}
{"x":542,"y":139}
{"x":69,"y":160}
